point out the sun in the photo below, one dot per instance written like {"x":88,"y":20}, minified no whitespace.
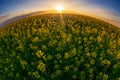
{"x":59,"y":8}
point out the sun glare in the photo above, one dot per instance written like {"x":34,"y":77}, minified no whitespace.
{"x":59,"y":8}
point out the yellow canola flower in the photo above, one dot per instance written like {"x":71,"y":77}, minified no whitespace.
{"x":92,"y":61}
{"x":53,"y":76}
{"x":44,"y":47}
{"x":66,"y":55}
{"x":41,"y":66}
{"x":91,"y":70}
{"x":118,"y":55}
{"x":39,"y":54}
{"x":115,"y":66}
{"x":58,"y":56}
{"x":99,"y":39}
{"x":49,"y":57}
{"x":36,"y":39}
{"x":75,"y":69}
{"x":66,"y":68}
{"x":23,"y":63}
{"x":88,"y":54}
{"x":93,"y":54}
{"x":74,"y":76}
{"x":63,"y":35}
{"x":44,"y":57}
{"x":77,"y":62}
{"x":36,"y":74}
{"x":105,"y":77}
{"x":71,"y":66}
{"x":118,"y":41}
{"x":106,"y":62}
{"x":74,"y":51}
{"x":68,"y":37}
{"x":87,"y":65}
{"x":118,"y":78}
{"x":56,"y":66}
{"x":58,"y":72}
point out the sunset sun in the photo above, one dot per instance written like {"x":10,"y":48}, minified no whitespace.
{"x":59,"y":8}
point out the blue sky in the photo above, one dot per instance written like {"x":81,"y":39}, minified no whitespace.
{"x":9,"y":6}
{"x":104,"y":8}
{"x":108,"y":4}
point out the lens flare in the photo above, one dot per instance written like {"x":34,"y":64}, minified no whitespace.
{"x":59,"y":8}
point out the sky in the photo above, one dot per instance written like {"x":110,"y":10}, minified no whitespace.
{"x":109,"y":9}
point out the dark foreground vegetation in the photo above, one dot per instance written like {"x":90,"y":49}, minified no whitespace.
{"x":49,"y":47}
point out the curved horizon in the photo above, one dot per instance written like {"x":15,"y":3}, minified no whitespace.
{"x":103,"y":9}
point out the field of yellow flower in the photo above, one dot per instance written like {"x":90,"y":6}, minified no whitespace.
{"x":47,"y":47}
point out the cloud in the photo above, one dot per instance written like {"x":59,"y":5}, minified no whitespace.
{"x":107,"y":12}
{"x":113,"y":22}
{"x":109,"y":16}
{"x":2,"y":17}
